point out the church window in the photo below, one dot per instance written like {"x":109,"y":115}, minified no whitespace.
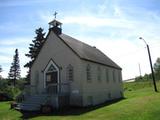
{"x":88,"y":71}
{"x":51,"y":74}
{"x":48,"y":78}
{"x":70,"y":73}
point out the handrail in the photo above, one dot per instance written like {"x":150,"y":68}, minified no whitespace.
{"x":62,"y":88}
{"x":25,"y":93}
{"x":28,"y":90}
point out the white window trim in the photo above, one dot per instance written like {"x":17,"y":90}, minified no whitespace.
{"x":46,"y":69}
{"x":68,"y":72}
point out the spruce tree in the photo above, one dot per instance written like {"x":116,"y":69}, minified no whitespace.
{"x":14,"y":72}
{"x":0,"y":72}
{"x":0,"y":68}
{"x":35,"y":48}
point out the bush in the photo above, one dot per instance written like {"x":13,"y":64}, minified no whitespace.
{"x":3,"y":84}
{"x":9,"y":90}
{"x":5,"y":97}
{"x":13,"y":91}
{"x":20,"y":84}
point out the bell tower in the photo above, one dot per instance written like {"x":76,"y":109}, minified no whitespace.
{"x":55,"y":25}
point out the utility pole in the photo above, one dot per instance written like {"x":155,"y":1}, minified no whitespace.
{"x":150,"y":60}
{"x":139,"y":70}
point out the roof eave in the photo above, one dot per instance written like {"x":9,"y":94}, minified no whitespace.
{"x":119,"y":68}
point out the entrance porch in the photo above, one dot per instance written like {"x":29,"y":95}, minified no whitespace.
{"x":33,"y":101}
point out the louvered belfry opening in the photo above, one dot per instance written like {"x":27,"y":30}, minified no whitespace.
{"x":56,"y":27}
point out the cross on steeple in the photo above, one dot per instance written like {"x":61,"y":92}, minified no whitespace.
{"x":55,"y":14}
{"x":55,"y":25}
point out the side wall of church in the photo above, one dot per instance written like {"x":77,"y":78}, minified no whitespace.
{"x":104,"y":84}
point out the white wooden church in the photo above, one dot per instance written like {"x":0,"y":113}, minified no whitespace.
{"x":68,"y":72}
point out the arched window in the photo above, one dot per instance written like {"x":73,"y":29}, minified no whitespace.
{"x":51,"y":75}
{"x":88,"y":72}
{"x":70,"y":73}
{"x":51,"y":78}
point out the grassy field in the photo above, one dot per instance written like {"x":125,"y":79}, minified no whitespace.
{"x":140,"y":103}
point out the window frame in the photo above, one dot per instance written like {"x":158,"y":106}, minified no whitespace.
{"x":70,"y":73}
{"x":88,"y":73}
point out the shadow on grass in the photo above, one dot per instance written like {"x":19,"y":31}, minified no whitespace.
{"x":68,"y":110}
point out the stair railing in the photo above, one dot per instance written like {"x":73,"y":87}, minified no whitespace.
{"x":58,"y":89}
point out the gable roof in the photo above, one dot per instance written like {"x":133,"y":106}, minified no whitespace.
{"x":87,"y":52}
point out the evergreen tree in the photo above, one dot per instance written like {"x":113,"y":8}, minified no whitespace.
{"x":0,"y":72}
{"x":157,"y":69}
{"x":35,"y":48}
{"x":0,"y":69}
{"x":14,"y":72}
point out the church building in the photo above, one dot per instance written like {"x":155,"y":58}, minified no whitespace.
{"x":68,"y":72}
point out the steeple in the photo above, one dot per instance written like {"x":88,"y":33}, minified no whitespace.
{"x":55,"y":25}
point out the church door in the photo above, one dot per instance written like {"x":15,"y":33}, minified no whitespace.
{"x":51,"y":82}
{"x":51,"y":79}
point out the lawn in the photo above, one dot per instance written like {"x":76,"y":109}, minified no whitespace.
{"x":140,"y":103}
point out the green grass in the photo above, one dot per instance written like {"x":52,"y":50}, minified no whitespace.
{"x":140,"y":103}
{"x":6,"y":113}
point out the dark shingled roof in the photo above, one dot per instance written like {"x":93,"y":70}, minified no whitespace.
{"x":87,"y":52}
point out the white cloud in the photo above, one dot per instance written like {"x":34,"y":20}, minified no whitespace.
{"x":9,"y":46}
{"x":45,"y":16}
{"x":125,"y":53}
{"x":91,"y":21}
{"x":14,"y":41}
{"x":23,"y":3}
{"x":7,"y":60}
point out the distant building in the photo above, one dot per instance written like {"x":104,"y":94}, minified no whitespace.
{"x":130,"y":80}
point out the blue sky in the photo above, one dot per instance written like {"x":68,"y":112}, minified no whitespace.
{"x":113,"y":26}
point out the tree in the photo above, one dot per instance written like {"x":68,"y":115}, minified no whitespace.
{"x":0,"y":69}
{"x":14,"y":73}
{"x":0,"y":72}
{"x":35,"y":48}
{"x":157,"y":69}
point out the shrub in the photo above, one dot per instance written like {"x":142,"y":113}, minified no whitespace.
{"x":12,"y":91}
{"x":9,"y":90}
